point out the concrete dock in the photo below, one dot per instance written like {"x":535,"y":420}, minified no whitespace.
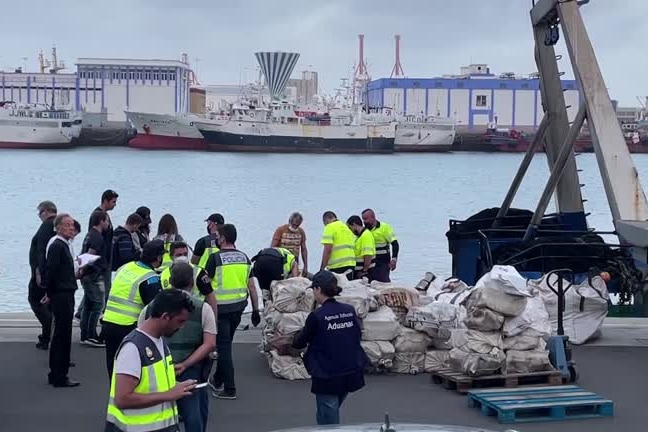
{"x":613,"y":367}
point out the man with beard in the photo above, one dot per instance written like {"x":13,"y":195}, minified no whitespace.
{"x":143,"y":387}
{"x":384,"y":237}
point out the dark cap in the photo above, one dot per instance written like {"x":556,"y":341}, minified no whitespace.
{"x":152,"y":250}
{"x":145,"y":214}
{"x":216,"y":218}
{"x":325,"y":280}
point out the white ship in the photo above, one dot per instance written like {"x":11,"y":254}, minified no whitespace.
{"x":424,"y":134}
{"x":165,"y":131}
{"x":37,"y":126}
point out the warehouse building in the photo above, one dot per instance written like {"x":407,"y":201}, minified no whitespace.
{"x":475,"y":98}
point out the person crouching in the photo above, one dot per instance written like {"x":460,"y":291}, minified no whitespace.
{"x":334,"y":358}
{"x":190,"y":349}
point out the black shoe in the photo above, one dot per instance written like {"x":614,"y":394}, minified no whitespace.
{"x":41,"y":345}
{"x":226,"y":394}
{"x":66,"y":383}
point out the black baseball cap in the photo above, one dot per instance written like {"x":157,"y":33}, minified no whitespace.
{"x":216,"y":218}
{"x":324,"y":279}
{"x":145,"y":213}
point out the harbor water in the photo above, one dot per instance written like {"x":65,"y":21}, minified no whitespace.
{"x":416,"y":194}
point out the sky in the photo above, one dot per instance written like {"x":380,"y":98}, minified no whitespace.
{"x":220,"y":37}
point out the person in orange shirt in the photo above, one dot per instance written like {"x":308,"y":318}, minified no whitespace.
{"x":292,"y":237}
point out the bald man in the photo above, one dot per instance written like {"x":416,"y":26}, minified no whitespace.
{"x":387,"y":246}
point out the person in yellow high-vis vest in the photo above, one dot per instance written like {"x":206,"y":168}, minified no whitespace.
{"x":136,"y":284}
{"x":338,"y":255}
{"x":143,"y":387}
{"x":273,"y":264}
{"x":365,"y":249}
{"x":202,"y":288}
{"x":231,"y":276}
{"x":207,"y":245}
{"x":387,"y":246}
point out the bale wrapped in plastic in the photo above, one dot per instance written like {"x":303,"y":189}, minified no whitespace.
{"x":527,"y":362}
{"x":534,"y":317}
{"x":409,"y":363}
{"x":436,"y":360}
{"x":286,"y":367}
{"x":525,"y":342}
{"x":381,"y":325}
{"x":435,"y":316}
{"x":400,"y":300}
{"x":292,"y":295}
{"x":484,"y":319}
{"x":380,"y":354}
{"x":474,"y":341}
{"x":410,"y":340}
{"x":291,"y":323}
{"x":502,"y":290}
{"x":476,"y":364}
{"x":356,"y":294}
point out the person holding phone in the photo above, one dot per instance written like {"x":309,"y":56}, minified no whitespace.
{"x":143,"y":387}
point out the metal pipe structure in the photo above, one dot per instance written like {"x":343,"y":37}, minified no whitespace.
{"x":522,"y":170}
{"x":397,"y":71}
{"x":559,"y":166}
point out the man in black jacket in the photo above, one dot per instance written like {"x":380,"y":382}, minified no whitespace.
{"x":60,"y":283}
{"x":124,"y":249}
{"x":46,"y":213}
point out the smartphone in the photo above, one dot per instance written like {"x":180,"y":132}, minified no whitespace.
{"x":201,"y":385}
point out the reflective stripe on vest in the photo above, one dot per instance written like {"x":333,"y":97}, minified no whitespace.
{"x":289,"y":259}
{"x":230,"y":281}
{"x":383,"y":236}
{"x":365,"y":246}
{"x":124,"y":302}
{"x":165,"y":279}
{"x":343,"y":251}
{"x":157,"y":375}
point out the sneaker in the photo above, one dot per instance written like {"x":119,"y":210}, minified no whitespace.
{"x":215,"y":386}
{"x":95,"y":343}
{"x":225,"y":394}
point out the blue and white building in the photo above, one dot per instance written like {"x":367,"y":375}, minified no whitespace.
{"x":475,"y":98}
{"x":106,"y":86}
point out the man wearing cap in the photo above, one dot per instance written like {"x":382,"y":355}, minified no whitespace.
{"x":334,"y":359}
{"x":136,"y":285}
{"x":46,"y":213}
{"x":144,"y":231}
{"x":205,"y":246}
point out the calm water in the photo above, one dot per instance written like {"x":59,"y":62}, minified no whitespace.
{"x":416,"y":194}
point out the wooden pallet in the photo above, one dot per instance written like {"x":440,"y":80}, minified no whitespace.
{"x":462,"y":383}
{"x":538,"y":404}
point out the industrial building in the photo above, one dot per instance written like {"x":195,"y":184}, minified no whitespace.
{"x":107,"y":86}
{"x":475,"y":98}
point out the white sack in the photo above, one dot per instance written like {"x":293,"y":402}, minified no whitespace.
{"x":534,"y":317}
{"x":505,"y":279}
{"x":527,"y":361}
{"x":524,"y":343}
{"x":586,"y":307}
{"x":473,"y":341}
{"x":380,"y":353}
{"x":484,"y":319}
{"x":286,"y":367}
{"x":454,"y":285}
{"x":380,"y":325}
{"x":292,"y":295}
{"x":454,"y":298}
{"x":291,"y":323}
{"x":409,"y":363}
{"x":437,"y":360}
{"x":379,"y":286}
{"x":400,"y":300}
{"x":434,"y":316}
{"x":411,"y":341}
{"x":356,"y":294}
{"x":474,"y":364}
{"x":497,"y":300}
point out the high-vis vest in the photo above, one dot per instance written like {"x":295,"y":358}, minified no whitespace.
{"x":124,"y":301}
{"x":157,"y":375}
{"x":166,"y":258}
{"x":343,"y":241}
{"x":165,"y":279}
{"x":187,"y":340}
{"x":210,"y":248}
{"x":384,"y":236}
{"x":231,"y":276}
{"x":365,"y":245}
{"x":289,"y":260}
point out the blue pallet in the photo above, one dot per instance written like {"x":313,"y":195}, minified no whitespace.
{"x":538,"y":404}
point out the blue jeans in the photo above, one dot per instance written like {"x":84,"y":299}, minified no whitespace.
{"x":328,"y":408}
{"x":194,"y":409}
{"x":93,"y":303}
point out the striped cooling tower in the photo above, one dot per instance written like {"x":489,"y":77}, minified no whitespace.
{"x":277,"y":67}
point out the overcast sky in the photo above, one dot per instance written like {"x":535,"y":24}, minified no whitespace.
{"x":438,"y":37}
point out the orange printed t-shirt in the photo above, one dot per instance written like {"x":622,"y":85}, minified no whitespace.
{"x":291,"y":240}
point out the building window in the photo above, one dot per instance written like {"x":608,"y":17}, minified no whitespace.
{"x":393,"y":84}
{"x":416,"y":84}
{"x":172,"y":76}
{"x":164,"y":76}
{"x":148,"y":75}
{"x":481,"y":101}
{"x":115,"y":75}
{"x":503,"y":85}
{"x":438,"y":84}
{"x":460,"y":85}
{"x":525,"y":86}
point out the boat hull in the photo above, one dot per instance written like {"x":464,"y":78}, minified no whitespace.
{"x":162,"y":142}
{"x":226,"y":141}
{"x":37,"y":145}
{"x":165,"y":132}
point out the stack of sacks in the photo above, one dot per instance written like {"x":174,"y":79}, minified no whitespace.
{"x":291,"y":302}
{"x":410,"y":346}
{"x":400,"y":300}
{"x":379,"y":328}
{"x":476,"y":353}
{"x":524,"y":335}
{"x":357,"y":294}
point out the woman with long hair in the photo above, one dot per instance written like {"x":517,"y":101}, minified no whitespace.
{"x":168,"y":233}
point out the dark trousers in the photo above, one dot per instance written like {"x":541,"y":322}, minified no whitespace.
{"x":194,"y":409}
{"x":266,"y":270}
{"x":43,"y":312}
{"x":328,"y":408}
{"x":93,"y":303}
{"x":341,"y":270}
{"x":62,"y":305}
{"x":113,"y":336}
{"x":227,"y":324}
{"x":380,"y":273}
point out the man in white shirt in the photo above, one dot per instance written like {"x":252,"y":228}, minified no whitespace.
{"x":190,"y":349}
